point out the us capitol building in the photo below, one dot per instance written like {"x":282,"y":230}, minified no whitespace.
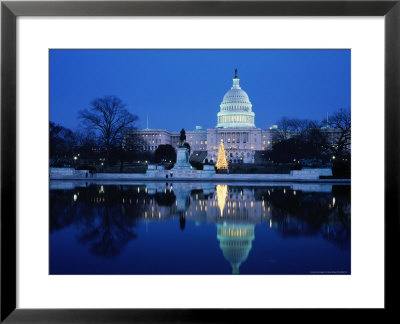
{"x":235,"y":128}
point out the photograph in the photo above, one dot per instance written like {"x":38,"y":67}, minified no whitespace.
{"x":199,"y":161}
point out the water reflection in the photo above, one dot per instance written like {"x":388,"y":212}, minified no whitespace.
{"x":105,"y":218}
{"x":103,"y":222}
{"x":313,"y":213}
{"x":235,"y":242}
{"x":222,"y":194}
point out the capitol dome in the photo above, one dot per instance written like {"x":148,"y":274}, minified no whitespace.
{"x":235,"y":109}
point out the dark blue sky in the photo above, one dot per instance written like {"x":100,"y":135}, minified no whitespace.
{"x":184,"y":88}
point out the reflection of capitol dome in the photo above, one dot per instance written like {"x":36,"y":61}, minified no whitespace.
{"x":235,"y":242}
{"x":236,"y":108}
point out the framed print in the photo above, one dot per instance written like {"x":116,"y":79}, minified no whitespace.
{"x":162,"y":159}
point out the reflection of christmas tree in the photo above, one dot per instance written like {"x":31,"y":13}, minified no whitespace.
{"x":222,"y":162}
{"x":222,"y":194}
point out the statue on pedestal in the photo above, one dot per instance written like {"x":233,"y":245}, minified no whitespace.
{"x":182,"y":137}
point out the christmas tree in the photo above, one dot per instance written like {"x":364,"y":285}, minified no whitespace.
{"x":222,"y":162}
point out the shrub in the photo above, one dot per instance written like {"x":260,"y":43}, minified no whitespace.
{"x":164,"y":152}
{"x":197,"y":165}
{"x":341,"y":169}
{"x":85,"y":167}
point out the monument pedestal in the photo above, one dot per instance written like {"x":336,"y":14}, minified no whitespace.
{"x":182,"y":159}
{"x":182,"y":169}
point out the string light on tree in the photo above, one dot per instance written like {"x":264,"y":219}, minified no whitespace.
{"x":222,"y":162}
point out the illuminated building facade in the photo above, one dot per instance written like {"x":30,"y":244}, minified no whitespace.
{"x":235,"y":128}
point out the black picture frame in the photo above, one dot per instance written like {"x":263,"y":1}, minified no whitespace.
{"x":10,"y":10}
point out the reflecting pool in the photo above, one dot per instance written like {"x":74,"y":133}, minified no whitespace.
{"x":199,"y":228}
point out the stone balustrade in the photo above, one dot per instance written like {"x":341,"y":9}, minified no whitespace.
{"x":158,"y":173}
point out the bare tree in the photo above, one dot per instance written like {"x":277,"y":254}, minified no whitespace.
{"x":87,"y":144}
{"x":282,"y":133}
{"x":341,"y":141}
{"x":290,"y":127}
{"x":300,"y":127}
{"x":109,"y":117}
{"x":62,"y":142}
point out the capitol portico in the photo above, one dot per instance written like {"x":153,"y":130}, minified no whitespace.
{"x":235,"y":128}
